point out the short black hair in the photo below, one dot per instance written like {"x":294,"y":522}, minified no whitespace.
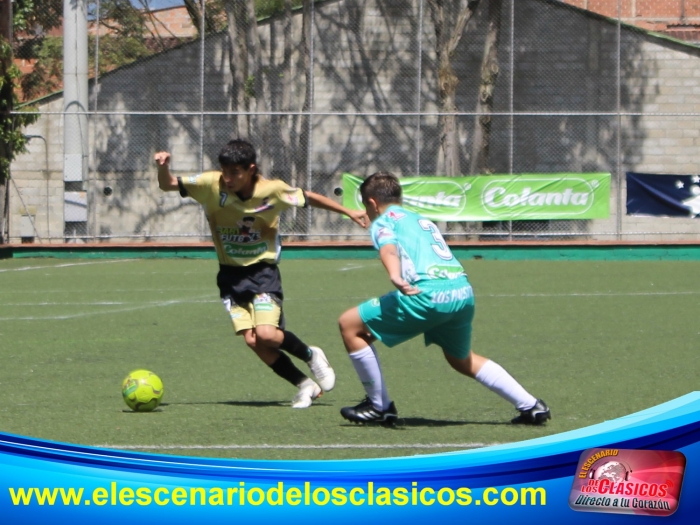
{"x":238,"y":151}
{"x":383,"y":187}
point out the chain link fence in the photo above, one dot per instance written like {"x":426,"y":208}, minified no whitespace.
{"x":416,"y":87}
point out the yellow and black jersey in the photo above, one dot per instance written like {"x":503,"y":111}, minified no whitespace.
{"x":245,"y":232}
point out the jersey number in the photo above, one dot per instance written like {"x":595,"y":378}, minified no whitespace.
{"x":222,"y":198}
{"x":440,"y":247}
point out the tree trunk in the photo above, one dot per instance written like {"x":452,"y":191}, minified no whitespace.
{"x":193,"y":9}
{"x":286,"y":120}
{"x":480,"y":161}
{"x":256,"y":82}
{"x":238,"y":64}
{"x":304,"y":133}
{"x":445,"y":46}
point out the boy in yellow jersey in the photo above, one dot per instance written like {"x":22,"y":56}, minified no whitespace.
{"x":243,"y":210}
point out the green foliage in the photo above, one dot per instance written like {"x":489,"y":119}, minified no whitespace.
{"x":33,"y":17}
{"x":116,"y":52}
{"x":47,"y":74}
{"x":265,"y":8}
{"x":12,"y":140}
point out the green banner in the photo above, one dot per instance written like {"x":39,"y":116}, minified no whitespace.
{"x":499,"y":197}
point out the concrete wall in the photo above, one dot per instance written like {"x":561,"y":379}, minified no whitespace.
{"x":562,"y":82}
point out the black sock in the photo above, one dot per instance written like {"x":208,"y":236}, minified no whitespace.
{"x":284,"y":368}
{"x":292,"y":344}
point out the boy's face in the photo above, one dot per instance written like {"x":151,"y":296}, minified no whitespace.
{"x":237,"y":177}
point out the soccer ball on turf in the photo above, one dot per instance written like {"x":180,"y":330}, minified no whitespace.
{"x":142,"y":390}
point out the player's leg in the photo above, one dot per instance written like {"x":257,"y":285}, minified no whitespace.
{"x":243,"y":321}
{"x":454,"y":337}
{"x":377,"y":406}
{"x":270,"y":331}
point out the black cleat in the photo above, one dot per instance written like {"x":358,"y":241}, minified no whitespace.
{"x":536,"y":415}
{"x":365,"y":412}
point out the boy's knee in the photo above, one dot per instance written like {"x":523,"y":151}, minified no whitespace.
{"x":345,"y":321}
{"x":250,"y":339}
{"x":266,"y":334}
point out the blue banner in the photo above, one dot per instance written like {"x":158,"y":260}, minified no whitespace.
{"x":525,"y":482}
{"x":665,"y":195}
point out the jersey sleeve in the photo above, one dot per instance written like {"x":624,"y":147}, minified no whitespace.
{"x":289,"y":197}
{"x":382,"y":233}
{"x":198,"y":186}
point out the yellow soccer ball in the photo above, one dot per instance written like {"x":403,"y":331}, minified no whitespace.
{"x":142,"y":390}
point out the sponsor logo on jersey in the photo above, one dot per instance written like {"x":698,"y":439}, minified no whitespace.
{"x":291,"y":196}
{"x":264,"y":206}
{"x":450,"y":296}
{"x":395,"y":215}
{"x":245,"y":250}
{"x":440,"y":271}
{"x":263,"y":303}
{"x":383,"y":233}
{"x":242,"y":234}
{"x":193,"y":179}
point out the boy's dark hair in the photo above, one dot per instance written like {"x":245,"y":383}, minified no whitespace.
{"x":238,"y":151}
{"x":383,"y":187}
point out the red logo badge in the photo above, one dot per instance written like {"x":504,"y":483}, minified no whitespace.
{"x":642,"y":482}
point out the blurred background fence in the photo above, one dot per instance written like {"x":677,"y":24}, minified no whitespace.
{"x":417,"y":87}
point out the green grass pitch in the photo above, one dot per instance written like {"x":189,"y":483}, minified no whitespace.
{"x":596,"y":340}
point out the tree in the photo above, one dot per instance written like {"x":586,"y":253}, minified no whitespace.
{"x":480,"y":162}
{"x":447,"y":39}
{"x":12,"y":140}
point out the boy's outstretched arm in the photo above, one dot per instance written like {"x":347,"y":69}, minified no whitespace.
{"x":319,"y":201}
{"x":166,"y":181}
{"x":390,"y":259}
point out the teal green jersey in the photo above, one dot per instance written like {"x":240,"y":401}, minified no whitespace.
{"x":425,"y":256}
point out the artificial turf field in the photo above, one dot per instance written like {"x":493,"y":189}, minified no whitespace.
{"x":596,"y":340}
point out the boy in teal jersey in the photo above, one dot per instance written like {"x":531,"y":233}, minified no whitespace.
{"x":433,"y":298}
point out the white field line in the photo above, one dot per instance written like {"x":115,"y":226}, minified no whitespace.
{"x":302,"y":447}
{"x":102,"y":312}
{"x":297,"y":299}
{"x":111,"y":303}
{"x":157,"y":304}
{"x":351,"y":267}
{"x":591,"y":294}
{"x":66,"y":265}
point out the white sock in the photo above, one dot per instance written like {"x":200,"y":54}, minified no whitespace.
{"x":494,"y":377}
{"x":367,"y":367}
{"x":386,"y":401}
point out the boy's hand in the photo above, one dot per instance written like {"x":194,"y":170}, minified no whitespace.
{"x":404,"y":287}
{"x":360,"y":217}
{"x":162,"y":158}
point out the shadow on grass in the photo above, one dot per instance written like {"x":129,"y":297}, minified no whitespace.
{"x":424,"y":422}
{"x":253,"y":404}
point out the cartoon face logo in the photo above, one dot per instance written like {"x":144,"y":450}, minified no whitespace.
{"x":245,"y":226}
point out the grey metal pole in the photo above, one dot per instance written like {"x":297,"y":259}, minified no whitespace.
{"x":75,"y":91}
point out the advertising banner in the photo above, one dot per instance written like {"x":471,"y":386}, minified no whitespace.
{"x":663,"y":195}
{"x":499,"y":197}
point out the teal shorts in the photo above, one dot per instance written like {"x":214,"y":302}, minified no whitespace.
{"x":442,"y":314}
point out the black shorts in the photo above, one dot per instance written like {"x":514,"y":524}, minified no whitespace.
{"x":241,"y":284}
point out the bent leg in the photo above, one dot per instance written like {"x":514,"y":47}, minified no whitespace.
{"x":494,"y":377}
{"x":358,"y":342}
{"x":356,"y":336}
